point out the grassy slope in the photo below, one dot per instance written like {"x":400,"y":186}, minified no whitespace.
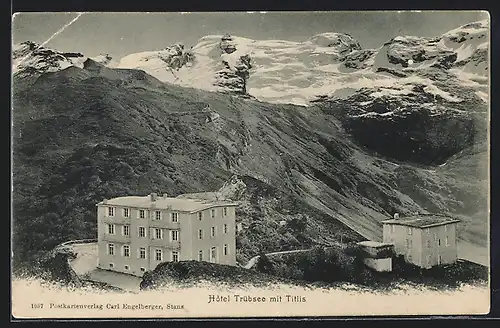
{"x":80,"y":136}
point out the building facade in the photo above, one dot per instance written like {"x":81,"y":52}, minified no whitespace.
{"x":423,"y":240}
{"x":377,"y":256}
{"x":136,"y":233}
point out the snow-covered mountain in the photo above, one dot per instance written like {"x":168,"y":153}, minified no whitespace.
{"x":30,"y":58}
{"x":277,"y":71}
{"x":328,"y":64}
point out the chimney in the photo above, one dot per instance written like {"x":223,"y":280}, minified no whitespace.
{"x":396,"y":216}
{"x":154,"y":197}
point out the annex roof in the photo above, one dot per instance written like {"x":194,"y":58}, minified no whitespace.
{"x":422,"y":221}
{"x":166,"y":203}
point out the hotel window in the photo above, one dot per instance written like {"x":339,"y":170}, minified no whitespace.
{"x":175,"y":235}
{"x":393,"y":228}
{"x":111,"y":211}
{"x":200,"y":234}
{"x":428,"y":231}
{"x":428,"y":260}
{"x":157,"y":215}
{"x":127,"y":267}
{"x":200,"y":255}
{"x":126,"y":250}
{"x":213,"y":213}
{"x":428,"y":244}
{"x":439,"y":242}
{"x":225,"y":228}
{"x":159,"y":255}
{"x":226,"y":250}
{"x":225,"y":211}
{"x":111,"y":249}
{"x":111,"y":265}
{"x":143,"y":269}
{"x":158,"y":233}
{"x":212,"y":232}
{"x":213,"y":254}
{"x":175,"y":217}
{"x":142,"y":253}
{"x":445,"y":228}
{"x":408,"y":243}
{"x":200,"y":216}
{"x":175,"y":256}
{"x":142,"y":214}
{"x":111,"y":229}
{"x":447,"y":242}
{"x":126,"y":212}
{"x":142,"y":232}
{"x":440,"y":259}
{"x":126,"y":230}
{"x":409,"y":230}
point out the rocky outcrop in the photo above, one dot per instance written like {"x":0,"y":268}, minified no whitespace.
{"x":413,"y":122}
{"x":233,"y":76}
{"x":408,"y":50}
{"x":358,"y":59}
{"x":477,"y":62}
{"x":104,"y":59}
{"x":420,"y":135}
{"x":234,"y":79}
{"x":29,"y":57}
{"x":57,"y":268}
{"x":342,"y":43}
{"x":227,"y":44}
{"x":176,"y":56}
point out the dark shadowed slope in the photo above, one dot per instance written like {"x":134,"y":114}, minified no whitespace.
{"x":81,"y":135}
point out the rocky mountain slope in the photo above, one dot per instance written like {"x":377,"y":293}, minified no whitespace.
{"x":424,"y":99}
{"x":91,"y":132}
{"x":30,"y":60}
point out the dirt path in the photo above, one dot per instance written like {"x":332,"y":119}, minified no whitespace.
{"x":85,"y":265}
{"x":254,"y":259}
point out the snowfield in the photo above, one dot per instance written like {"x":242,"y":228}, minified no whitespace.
{"x":297,"y":72}
{"x":278,"y":71}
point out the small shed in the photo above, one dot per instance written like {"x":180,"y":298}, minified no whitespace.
{"x":377,"y":256}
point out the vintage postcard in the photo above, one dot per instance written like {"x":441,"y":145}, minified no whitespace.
{"x":250,"y":164}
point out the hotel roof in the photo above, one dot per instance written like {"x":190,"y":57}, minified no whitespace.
{"x":166,"y":203}
{"x":422,"y":221}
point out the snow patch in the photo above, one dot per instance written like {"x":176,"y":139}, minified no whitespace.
{"x":483,"y":95}
{"x":430,"y":88}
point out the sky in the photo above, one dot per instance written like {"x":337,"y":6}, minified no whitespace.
{"x":119,"y":34}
